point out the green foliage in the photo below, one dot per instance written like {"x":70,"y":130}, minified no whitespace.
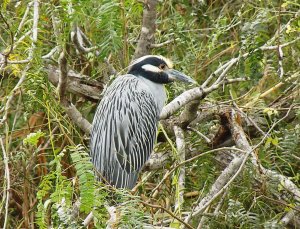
{"x":132,"y":214}
{"x":202,"y":35}
{"x":85,"y":176}
{"x":55,"y":190}
{"x":238,"y":216}
{"x":33,"y":138}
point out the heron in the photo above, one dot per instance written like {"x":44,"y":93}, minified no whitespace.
{"x":125,"y":124}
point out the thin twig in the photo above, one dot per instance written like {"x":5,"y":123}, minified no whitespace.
{"x":30,"y":56}
{"x":23,"y":20}
{"x":200,"y":134}
{"x":6,"y":55}
{"x":169,"y":212}
{"x":51,"y":53}
{"x":230,"y":63}
{"x":192,"y":159}
{"x":7,"y":179}
{"x":161,"y":44}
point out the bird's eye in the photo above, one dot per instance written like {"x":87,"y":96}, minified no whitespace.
{"x":162,"y":66}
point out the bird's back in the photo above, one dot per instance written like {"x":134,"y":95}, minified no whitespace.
{"x":124,"y":128}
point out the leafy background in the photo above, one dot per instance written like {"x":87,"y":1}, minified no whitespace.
{"x":47,"y":153}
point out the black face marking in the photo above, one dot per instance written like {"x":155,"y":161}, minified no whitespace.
{"x":157,"y":77}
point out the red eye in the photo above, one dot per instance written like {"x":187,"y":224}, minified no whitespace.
{"x":162,"y":66}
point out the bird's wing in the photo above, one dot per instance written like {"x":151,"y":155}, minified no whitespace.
{"x":124,"y":129}
{"x":135,"y":130}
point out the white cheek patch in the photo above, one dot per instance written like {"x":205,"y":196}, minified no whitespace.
{"x":151,"y":68}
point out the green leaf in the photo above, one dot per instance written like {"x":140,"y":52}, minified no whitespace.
{"x":33,"y":138}
{"x":275,"y":141}
{"x":175,"y":224}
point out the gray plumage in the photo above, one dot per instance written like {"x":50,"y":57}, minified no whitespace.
{"x":124,"y":131}
{"x":125,"y":124}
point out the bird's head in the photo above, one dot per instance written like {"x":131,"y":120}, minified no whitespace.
{"x":157,"y":69}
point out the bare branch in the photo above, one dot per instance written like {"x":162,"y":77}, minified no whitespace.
{"x":228,"y":175}
{"x":77,"y":83}
{"x":287,"y":184}
{"x":114,"y":219}
{"x":156,"y":160}
{"x":6,"y":193}
{"x":63,"y":76}
{"x":76,"y":36}
{"x":180,"y":143}
{"x":193,"y":94}
{"x":280,"y":59}
{"x":23,"y":20}
{"x":230,"y":63}
{"x":88,"y":219}
{"x":35,"y":20}
{"x":69,"y":108}
{"x":30,"y":56}
{"x":148,"y":29}
{"x":288,"y":217}
{"x":51,"y":53}
{"x":77,"y":117}
{"x":161,"y":44}
{"x":189,"y":113}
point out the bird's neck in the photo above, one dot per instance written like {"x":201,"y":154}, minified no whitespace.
{"x":157,"y":90}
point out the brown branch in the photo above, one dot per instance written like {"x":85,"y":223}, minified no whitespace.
{"x":156,"y":161}
{"x":148,"y":29}
{"x":63,"y":76}
{"x":229,"y":174}
{"x":189,"y":113}
{"x":70,"y":109}
{"x":242,"y":143}
{"x":77,"y":83}
{"x":77,"y":117}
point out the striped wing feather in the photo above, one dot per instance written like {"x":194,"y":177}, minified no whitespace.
{"x":124,"y":131}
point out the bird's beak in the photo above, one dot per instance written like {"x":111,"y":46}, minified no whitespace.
{"x":176,"y":75}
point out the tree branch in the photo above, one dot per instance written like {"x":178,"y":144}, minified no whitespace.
{"x":180,"y":186}
{"x":148,"y":29}
{"x":63,"y":76}
{"x":7,"y":183}
{"x":77,"y":83}
{"x":30,"y":56}
{"x":193,"y":94}
{"x":230,"y":172}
